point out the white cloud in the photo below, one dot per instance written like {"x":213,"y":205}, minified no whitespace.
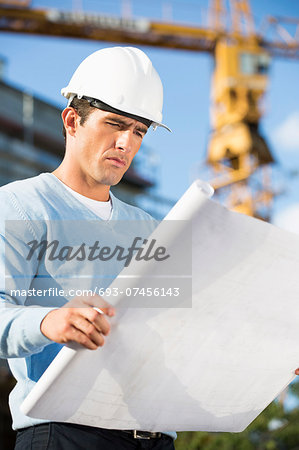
{"x":288,"y":219}
{"x":286,"y":136}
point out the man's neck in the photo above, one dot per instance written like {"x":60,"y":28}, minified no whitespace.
{"x":94,"y":191}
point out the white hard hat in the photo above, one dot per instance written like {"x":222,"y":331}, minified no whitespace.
{"x":122,"y":78}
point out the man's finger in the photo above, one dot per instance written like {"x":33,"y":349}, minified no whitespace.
{"x":97,"y":319}
{"x":98,"y":302}
{"x":102,"y":324}
{"x":81,"y":338}
{"x":89,"y":329}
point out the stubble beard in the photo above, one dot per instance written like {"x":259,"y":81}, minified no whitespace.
{"x":109,"y":179}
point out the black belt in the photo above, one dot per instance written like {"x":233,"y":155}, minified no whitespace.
{"x":137,"y":434}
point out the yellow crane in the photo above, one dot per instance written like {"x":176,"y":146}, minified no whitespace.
{"x":236,"y":150}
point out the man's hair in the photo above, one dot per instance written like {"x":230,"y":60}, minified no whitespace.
{"x":83,"y":108}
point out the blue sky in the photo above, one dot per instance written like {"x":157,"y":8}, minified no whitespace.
{"x":44,"y":65}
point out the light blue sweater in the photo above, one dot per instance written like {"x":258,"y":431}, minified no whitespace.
{"x":32,"y":210}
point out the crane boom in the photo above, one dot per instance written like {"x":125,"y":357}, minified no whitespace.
{"x":102,"y":27}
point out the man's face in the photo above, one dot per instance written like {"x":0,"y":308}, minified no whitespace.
{"x":104,"y":147}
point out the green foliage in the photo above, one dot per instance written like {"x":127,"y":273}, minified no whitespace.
{"x":273,"y":429}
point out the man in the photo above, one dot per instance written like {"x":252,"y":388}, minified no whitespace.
{"x":115,"y":95}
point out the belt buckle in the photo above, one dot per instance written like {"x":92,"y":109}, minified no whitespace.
{"x":139,"y":435}
{"x":145,"y":434}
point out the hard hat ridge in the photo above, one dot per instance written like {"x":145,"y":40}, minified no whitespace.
{"x":123,"y":78}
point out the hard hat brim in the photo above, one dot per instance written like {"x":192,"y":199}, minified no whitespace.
{"x":162,"y":125}
{"x":96,"y":103}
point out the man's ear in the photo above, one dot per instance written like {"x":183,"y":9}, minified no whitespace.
{"x":70,"y":120}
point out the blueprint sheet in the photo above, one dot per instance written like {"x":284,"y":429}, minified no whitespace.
{"x":213,"y":365}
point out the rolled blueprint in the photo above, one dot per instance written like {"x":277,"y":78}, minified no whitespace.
{"x":212,"y":362}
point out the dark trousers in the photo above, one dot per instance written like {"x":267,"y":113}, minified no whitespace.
{"x":65,"y":436}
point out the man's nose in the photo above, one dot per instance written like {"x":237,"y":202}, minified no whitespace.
{"x":124,"y":141}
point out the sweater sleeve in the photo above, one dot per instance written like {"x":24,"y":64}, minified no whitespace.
{"x":20,"y":333}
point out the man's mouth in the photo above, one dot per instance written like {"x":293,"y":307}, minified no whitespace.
{"x":117,"y":162}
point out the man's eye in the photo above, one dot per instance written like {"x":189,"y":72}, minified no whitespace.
{"x":113,"y":124}
{"x":139,"y":134}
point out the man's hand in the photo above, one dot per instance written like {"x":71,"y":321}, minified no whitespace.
{"x":77,"y":321}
